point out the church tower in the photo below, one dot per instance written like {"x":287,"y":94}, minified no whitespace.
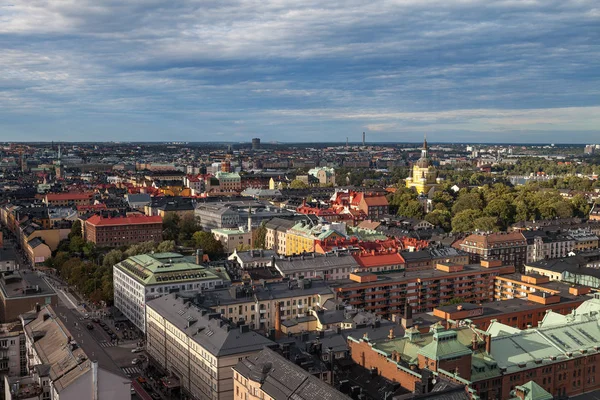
{"x":423,"y":176}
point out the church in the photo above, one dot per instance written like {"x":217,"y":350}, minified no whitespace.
{"x":423,"y":176}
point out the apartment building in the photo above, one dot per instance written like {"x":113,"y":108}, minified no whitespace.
{"x":268,"y":376}
{"x":508,"y":247}
{"x":543,"y":245}
{"x":317,"y":266}
{"x":581,"y":269}
{"x":386,"y":294}
{"x":302,"y":236}
{"x":13,"y":359}
{"x":122,"y":231}
{"x":8,"y":259}
{"x":143,"y":277}
{"x":557,"y":358}
{"x":68,"y":199}
{"x":233,"y":239}
{"x":59,"y":367}
{"x":264,"y":307}
{"x":197,"y":347}
{"x":275,"y":238}
{"x":20,"y":291}
{"x":584,"y":239}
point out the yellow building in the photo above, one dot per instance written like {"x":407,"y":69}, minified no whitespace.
{"x":301,"y":238}
{"x":423,"y":176}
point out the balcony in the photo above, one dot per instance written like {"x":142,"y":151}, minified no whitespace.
{"x":262,"y":311}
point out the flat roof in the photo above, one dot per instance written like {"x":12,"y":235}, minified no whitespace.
{"x":20,"y":284}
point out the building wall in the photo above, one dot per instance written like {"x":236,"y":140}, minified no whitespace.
{"x":232,"y":241}
{"x":297,"y":244}
{"x":10,"y":309}
{"x":122,"y":235}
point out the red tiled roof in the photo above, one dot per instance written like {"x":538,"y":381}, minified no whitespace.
{"x":376,"y":201}
{"x":68,"y":196}
{"x":139,"y":220}
{"x":378,"y":260}
{"x":83,"y":207}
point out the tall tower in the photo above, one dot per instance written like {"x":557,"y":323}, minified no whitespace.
{"x":59,"y":167}
{"x":425,"y":149}
{"x":363,"y":139}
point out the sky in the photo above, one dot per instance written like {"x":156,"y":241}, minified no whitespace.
{"x":522,"y":71}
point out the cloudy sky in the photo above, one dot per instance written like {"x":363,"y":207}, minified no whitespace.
{"x":311,"y":70}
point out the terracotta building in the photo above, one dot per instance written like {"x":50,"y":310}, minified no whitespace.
{"x":386,"y":294}
{"x":122,"y":231}
{"x":509,"y":247}
{"x":560,"y":356}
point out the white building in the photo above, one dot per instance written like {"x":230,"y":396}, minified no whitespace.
{"x":141,"y":278}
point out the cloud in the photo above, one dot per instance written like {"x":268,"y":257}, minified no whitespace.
{"x":290,"y":70}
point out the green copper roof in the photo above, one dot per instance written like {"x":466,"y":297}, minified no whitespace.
{"x":160,"y":268}
{"x":533,"y":391}
{"x":444,"y":345}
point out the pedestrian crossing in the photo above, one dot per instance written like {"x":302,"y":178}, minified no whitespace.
{"x":129,"y":371}
{"x":108,"y":344}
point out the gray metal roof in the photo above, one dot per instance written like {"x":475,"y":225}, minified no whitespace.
{"x":207,"y":329}
{"x":282,"y":379}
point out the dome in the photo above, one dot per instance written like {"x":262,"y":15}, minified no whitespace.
{"x":423,"y":163}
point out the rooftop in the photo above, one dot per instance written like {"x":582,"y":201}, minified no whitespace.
{"x":131,"y":220}
{"x":19,"y":284}
{"x":209,"y":330}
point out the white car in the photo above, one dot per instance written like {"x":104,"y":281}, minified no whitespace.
{"x":135,"y":361}
{"x":137,"y":350}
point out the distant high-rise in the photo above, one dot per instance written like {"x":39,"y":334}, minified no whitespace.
{"x":255,"y":143}
{"x":363,"y":138}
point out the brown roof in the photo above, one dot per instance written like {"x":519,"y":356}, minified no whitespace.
{"x":376,"y":201}
{"x":485,"y":240}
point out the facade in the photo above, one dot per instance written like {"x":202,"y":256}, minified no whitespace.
{"x":122,"y":231}
{"x":302,"y":236}
{"x":559,"y":356}
{"x":60,"y":368}
{"x":265,"y":307}
{"x":275,"y":238}
{"x":229,"y":181}
{"x":268,"y":376}
{"x":423,"y":175}
{"x":317,"y":266}
{"x":20,"y":292}
{"x":68,"y":199}
{"x":233,"y":239}
{"x":543,"y":245}
{"x":141,"y":278}
{"x":325,"y":175}
{"x":584,"y":239}
{"x":374,"y":206}
{"x":387,"y":294}
{"x":510,"y":247}
{"x":13,"y":360}
{"x":582,"y":269}
{"x":199,"y":348}
{"x":252,"y":258}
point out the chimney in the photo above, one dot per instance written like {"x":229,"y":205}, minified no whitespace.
{"x":488,"y":343}
{"x":199,"y":256}
{"x":474,"y":342}
{"x":391,"y":335}
{"x":38,"y":308}
{"x":407,"y":317}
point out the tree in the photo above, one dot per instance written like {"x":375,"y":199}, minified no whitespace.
{"x":76,"y":244}
{"x":441,"y":218}
{"x":464,"y":221}
{"x":187,"y":225}
{"x":171,"y":226}
{"x":165,"y":246}
{"x":140,"y":248}
{"x":580,"y":205}
{"x":89,"y":250}
{"x":112,"y":257}
{"x":259,"y":237}
{"x":207,"y":242}
{"x":502,"y":210}
{"x":75,"y":229}
{"x":411,"y":209}
{"x":486,"y":224}
{"x":467,"y":201}
{"x":298,"y":184}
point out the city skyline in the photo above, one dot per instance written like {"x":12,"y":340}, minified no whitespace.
{"x":518,"y":72}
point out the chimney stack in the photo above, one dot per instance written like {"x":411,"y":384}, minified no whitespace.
{"x":488,"y":343}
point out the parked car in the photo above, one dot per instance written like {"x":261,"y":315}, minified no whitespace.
{"x":102,"y":324}
{"x":106,"y":328}
{"x":135,"y":361}
{"x":95,"y":320}
{"x":137,"y":350}
{"x":155,"y":396}
{"x":90,"y":326}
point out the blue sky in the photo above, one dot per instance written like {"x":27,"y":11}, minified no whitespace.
{"x":229,"y":70}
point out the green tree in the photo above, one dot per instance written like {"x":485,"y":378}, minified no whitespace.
{"x":165,"y":246}
{"x":441,"y":218}
{"x":112,"y":257}
{"x":298,"y":184}
{"x":581,"y":207}
{"x":75,"y":229}
{"x":171,"y":226}
{"x":411,"y":209}
{"x":76,"y":244}
{"x":467,"y":201}
{"x":259,"y":236}
{"x":502,"y":210}
{"x":89,"y":250}
{"x":188,"y":224}
{"x":207,"y":242}
{"x":464,"y":221}
{"x":486,"y":224}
